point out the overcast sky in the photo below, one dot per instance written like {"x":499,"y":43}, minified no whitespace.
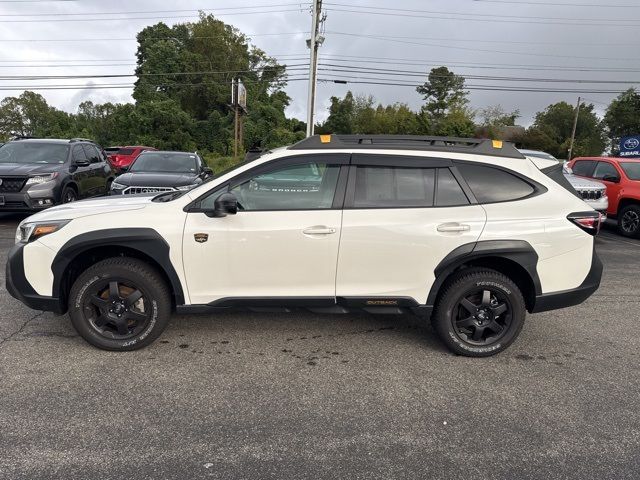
{"x":563,"y":39}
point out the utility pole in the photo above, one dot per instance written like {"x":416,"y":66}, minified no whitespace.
{"x":573,"y":132}
{"x":314,"y":43}
{"x":236,"y":108}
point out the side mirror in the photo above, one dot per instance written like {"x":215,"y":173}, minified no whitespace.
{"x":207,"y":172}
{"x":611,"y":178}
{"x":225,"y":204}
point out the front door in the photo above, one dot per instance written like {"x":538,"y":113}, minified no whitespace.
{"x":283,"y":242}
{"x":402,"y":217}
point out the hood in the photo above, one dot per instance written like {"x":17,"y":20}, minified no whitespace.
{"x":85,"y":208}
{"x":157,"y":179}
{"x":26,"y":169}
{"x":580,"y":183}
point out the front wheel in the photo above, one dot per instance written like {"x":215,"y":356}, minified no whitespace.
{"x":120,"y":304}
{"x":629,"y":221}
{"x":480,"y":313}
{"x":68,"y":195}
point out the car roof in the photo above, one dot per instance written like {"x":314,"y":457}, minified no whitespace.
{"x":42,"y":140}
{"x":613,"y":159}
{"x":176,"y":152}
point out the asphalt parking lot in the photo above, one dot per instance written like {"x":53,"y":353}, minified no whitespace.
{"x":261,"y":396}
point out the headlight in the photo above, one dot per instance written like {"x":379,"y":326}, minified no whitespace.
{"x":28,"y":232}
{"x":36,"y":179}
{"x":185,"y":187}
{"x":117,"y":186}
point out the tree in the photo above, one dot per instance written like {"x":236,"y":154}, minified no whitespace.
{"x":623,"y":117}
{"x":443,"y":93}
{"x":551,"y":131}
{"x":30,"y":115}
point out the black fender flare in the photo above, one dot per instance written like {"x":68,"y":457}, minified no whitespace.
{"x":144,"y":240}
{"x":517,"y":251}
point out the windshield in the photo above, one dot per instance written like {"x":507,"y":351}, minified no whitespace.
{"x":27,"y":152}
{"x":632,"y":169}
{"x":165,"y":162}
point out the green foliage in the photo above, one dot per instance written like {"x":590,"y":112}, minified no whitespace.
{"x":623,"y":117}
{"x":30,"y":115}
{"x":551,"y":131}
{"x":443,"y":93}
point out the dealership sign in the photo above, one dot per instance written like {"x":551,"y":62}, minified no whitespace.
{"x":630,"y":146}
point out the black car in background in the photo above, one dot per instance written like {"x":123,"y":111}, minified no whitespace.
{"x":158,"y":171}
{"x":39,"y":173}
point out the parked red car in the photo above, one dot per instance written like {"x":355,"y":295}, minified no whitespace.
{"x":125,"y":156}
{"x":622,"y":178}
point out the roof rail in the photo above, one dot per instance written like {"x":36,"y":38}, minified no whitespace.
{"x":479,"y":146}
{"x":80,"y":140}
{"x":23,"y":137}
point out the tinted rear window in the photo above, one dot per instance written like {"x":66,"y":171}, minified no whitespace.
{"x":394,"y":187}
{"x":449,"y":193}
{"x":125,"y":151}
{"x":491,"y":185}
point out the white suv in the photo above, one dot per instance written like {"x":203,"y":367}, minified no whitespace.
{"x":468,"y":232}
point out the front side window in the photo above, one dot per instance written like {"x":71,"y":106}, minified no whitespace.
{"x":632,"y":169}
{"x":392,"y":187}
{"x":605,"y":169}
{"x":491,"y":185}
{"x":307,"y":186}
{"x":584,"y":168}
{"x":92,"y":153}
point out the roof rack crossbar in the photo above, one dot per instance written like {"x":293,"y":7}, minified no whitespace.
{"x":477,"y":146}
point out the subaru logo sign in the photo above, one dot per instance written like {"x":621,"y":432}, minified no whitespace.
{"x":630,"y":146}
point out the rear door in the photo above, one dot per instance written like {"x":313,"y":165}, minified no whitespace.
{"x":402,"y":217}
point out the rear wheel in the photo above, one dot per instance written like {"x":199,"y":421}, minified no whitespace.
{"x":480,"y":313}
{"x":629,"y":221}
{"x":120,"y":304}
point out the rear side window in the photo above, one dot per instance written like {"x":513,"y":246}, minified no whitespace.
{"x":449,"y":192}
{"x":584,"y":168}
{"x":78,"y":154}
{"x":491,"y":185}
{"x":380,"y":187}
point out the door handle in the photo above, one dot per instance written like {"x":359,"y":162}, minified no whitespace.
{"x":453,"y":227}
{"x":320,"y":230}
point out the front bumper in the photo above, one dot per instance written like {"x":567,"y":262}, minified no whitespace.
{"x":19,"y":288}
{"x":569,"y":298}
{"x":28,"y":201}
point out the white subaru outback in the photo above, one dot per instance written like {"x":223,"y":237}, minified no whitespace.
{"x":467,"y":232}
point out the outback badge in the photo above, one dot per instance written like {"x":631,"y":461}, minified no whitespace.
{"x":201,"y":237}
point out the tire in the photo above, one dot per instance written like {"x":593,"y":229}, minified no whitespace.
{"x":480,"y":313}
{"x":120,"y":304}
{"x":629,"y":221}
{"x":68,"y":195}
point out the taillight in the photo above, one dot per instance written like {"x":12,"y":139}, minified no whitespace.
{"x":590,"y":222}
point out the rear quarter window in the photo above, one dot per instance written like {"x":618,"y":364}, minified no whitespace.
{"x":492,"y":185}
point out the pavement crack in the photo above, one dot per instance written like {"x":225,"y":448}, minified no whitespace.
{"x":21,"y":329}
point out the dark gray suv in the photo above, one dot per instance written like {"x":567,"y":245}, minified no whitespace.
{"x":39,"y":173}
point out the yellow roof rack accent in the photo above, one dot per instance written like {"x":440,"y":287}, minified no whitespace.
{"x":325,"y":138}
{"x":497,"y":143}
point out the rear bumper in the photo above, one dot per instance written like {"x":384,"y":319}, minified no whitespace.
{"x":569,"y":298}
{"x":19,"y":287}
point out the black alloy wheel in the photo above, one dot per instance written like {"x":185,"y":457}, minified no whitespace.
{"x":120,"y":304}
{"x":482,"y":316}
{"x":117,"y":309}
{"x":479,"y":313}
{"x":69,"y":195}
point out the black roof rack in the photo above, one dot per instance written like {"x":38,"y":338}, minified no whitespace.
{"x":479,"y":146}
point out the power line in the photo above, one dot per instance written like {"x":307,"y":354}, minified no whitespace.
{"x":127,"y":12}
{"x":503,"y":52}
{"x":497,"y":18}
{"x":83,"y":40}
{"x":556,"y":4}
{"x":56,"y":20}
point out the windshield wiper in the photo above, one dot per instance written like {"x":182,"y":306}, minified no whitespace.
{"x":168,"y":196}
